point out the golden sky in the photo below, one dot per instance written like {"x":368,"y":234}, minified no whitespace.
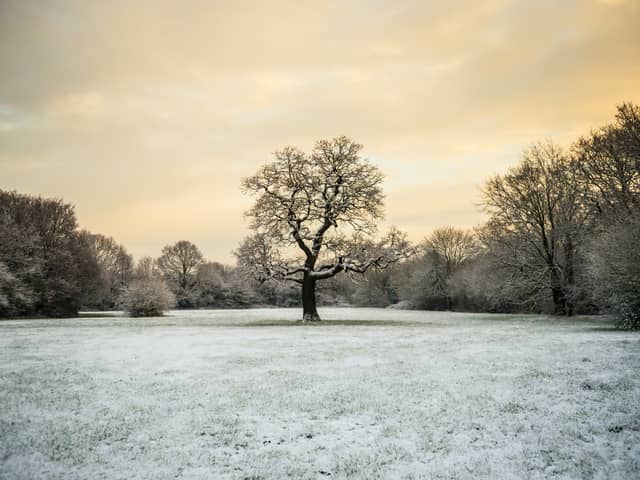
{"x":146,"y":114}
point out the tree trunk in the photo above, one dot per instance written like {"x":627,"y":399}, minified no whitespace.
{"x":569,"y":275}
{"x":558,"y":293}
{"x":559,"y":301}
{"x":309,"y":311}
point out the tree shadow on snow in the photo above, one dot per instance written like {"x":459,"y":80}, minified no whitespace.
{"x":332,"y":323}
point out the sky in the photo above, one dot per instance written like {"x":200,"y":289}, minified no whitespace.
{"x":146,"y":114}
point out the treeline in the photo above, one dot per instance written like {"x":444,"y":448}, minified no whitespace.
{"x":562,"y":237}
{"x":50,"y":267}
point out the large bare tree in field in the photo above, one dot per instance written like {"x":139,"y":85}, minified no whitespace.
{"x":324,"y":206}
{"x":537,"y":221}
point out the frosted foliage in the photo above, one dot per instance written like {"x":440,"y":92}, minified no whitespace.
{"x":147,"y":297}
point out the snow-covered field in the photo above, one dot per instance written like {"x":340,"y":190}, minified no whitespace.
{"x":366,"y":394}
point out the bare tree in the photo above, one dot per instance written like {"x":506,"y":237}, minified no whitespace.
{"x":608,"y":161}
{"x":50,"y":264}
{"x":147,"y":267}
{"x":615,"y":268}
{"x":454,"y":245}
{"x":376,"y":290}
{"x":536,"y":224}
{"x":116,"y":266}
{"x":211,"y":288}
{"x":324,"y":205}
{"x":179,"y":263}
{"x":445,"y":251}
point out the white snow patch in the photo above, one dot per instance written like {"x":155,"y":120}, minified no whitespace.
{"x":367,"y":393}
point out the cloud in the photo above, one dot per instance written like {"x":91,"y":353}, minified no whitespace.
{"x":122,"y":106}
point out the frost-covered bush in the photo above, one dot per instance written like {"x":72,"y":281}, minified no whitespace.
{"x":148,"y":297}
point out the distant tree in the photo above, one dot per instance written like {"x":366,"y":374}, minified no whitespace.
{"x":426,"y":282}
{"x":425,"y":285}
{"x":179,"y":263}
{"x":87,"y":271}
{"x":537,"y":222}
{"x":211,"y":287}
{"x":240,"y":291}
{"x":21,"y":262}
{"x":376,"y":289}
{"x":147,"y":267}
{"x":453,"y":245}
{"x":147,"y":297}
{"x":43,"y":250}
{"x":335,"y":291}
{"x":608,"y":165}
{"x":325,"y":205}
{"x":15,"y":297}
{"x":615,"y":268}
{"x":447,"y":250}
{"x":116,"y":268}
{"x":477,"y":287}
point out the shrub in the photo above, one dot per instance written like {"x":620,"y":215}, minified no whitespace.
{"x":148,"y":297}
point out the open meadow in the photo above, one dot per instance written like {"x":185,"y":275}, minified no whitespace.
{"x":367,"y":393}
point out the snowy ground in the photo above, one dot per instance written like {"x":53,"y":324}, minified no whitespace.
{"x":367,"y":394}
